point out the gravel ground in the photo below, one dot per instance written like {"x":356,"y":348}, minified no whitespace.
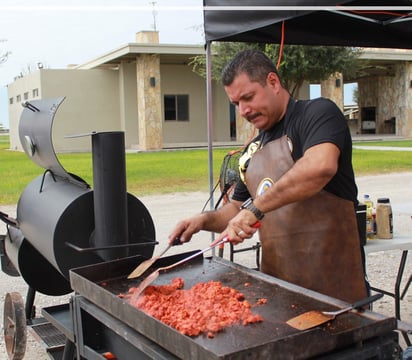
{"x":166,"y":210}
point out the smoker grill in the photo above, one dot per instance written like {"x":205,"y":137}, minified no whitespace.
{"x":69,"y":237}
{"x":61,"y":222}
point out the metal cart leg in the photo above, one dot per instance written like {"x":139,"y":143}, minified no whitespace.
{"x":398,"y":284}
{"x":30,"y":310}
{"x":406,"y":287}
{"x":69,"y":351}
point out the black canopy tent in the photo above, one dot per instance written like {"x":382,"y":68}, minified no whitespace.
{"x":361,"y":23}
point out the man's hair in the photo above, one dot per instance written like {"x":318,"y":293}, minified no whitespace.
{"x":256,"y":64}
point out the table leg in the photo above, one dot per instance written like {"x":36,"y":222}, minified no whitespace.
{"x":398,"y":284}
{"x":397,"y":293}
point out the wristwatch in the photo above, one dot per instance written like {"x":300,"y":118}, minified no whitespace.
{"x":248,"y":204}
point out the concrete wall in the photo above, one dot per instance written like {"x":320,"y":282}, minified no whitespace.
{"x":181,"y":80}
{"x":128,"y":104}
{"x":105,"y":100}
{"x":91,"y":104}
{"x":391,"y":98}
{"x":333,"y":89}
{"x":108,"y":100}
{"x":221,"y":113}
{"x":27,"y":84}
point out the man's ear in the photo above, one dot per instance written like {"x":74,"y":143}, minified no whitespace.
{"x":273,"y":80}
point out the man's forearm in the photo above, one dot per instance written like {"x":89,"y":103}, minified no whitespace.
{"x":217,"y":220}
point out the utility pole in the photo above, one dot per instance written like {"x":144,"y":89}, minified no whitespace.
{"x":154,"y":13}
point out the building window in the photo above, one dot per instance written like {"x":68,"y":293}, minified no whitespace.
{"x":35,"y":93}
{"x":18,"y":98}
{"x":11,"y":101}
{"x":26,"y":96}
{"x":176,"y":107}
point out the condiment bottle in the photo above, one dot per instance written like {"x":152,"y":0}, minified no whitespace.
{"x":384,"y":219}
{"x":369,"y":218}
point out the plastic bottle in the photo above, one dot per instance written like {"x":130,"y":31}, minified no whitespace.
{"x":384,"y":219}
{"x":369,"y":218}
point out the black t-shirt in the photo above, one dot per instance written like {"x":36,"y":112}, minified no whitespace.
{"x":308,"y":123}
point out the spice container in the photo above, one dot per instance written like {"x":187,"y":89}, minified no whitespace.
{"x":384,"y":219}
{"x":369,"y":218}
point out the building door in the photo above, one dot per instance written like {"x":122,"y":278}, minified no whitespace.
{"x":368,"y":116}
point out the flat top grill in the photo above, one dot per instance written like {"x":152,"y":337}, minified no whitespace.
{"x":101,"y":284}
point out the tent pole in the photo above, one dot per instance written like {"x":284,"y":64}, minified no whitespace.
{"x":209,"y":121}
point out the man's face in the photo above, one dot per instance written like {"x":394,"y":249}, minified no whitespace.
{"x":256,"y":103}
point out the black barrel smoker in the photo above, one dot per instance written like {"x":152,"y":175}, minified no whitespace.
{"x":62,"y":223}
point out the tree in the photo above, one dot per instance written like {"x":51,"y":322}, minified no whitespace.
{"x":298,"y":63}
{"x":222,"y":53}
{"x":312,"y":63}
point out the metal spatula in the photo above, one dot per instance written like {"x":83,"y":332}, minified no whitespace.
{"x":142,"y":267}
{"x":155,"y":274}
{"x":314,"y":318}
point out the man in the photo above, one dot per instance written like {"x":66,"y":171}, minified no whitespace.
{"x":297,"y":181}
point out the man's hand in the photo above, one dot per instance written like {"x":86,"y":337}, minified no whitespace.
{"x":239,"y":228}
{"x":214,"y":221}
{"x":186,"y":228}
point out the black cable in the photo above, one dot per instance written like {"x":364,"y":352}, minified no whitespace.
{"x":210,"y":197}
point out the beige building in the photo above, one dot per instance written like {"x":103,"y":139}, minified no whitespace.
{"x":128,"y":89}
{"x":149,"y":91}
{"x":385,"y":92}
{"x":146,"y":89}
{"x":384,"y":82}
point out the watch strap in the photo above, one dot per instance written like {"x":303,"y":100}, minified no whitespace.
{"x":248,"y":205}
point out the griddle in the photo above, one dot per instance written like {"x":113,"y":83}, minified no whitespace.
{"x":273,"y":338}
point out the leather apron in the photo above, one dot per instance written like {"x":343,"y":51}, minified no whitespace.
{"x":313,"y":243}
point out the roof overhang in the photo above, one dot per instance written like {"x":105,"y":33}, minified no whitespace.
{"x":169,"y":54}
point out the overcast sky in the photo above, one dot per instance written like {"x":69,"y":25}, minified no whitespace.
{"x":61,"y":32}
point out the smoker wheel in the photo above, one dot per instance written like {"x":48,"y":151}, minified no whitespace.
{"x":14,"y":321}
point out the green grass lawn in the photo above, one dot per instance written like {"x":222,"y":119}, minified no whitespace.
{"x":169,"y":171}
{"x":146,"y":172}
{"x":392,"y":143}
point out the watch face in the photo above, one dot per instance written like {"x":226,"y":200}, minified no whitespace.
{"x":264,"y":186}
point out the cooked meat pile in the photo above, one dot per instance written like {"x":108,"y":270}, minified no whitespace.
{"x":205,"y":308}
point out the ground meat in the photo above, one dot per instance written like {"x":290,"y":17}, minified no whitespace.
{"x":262,"y":301}
{"x":205,"y":308}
